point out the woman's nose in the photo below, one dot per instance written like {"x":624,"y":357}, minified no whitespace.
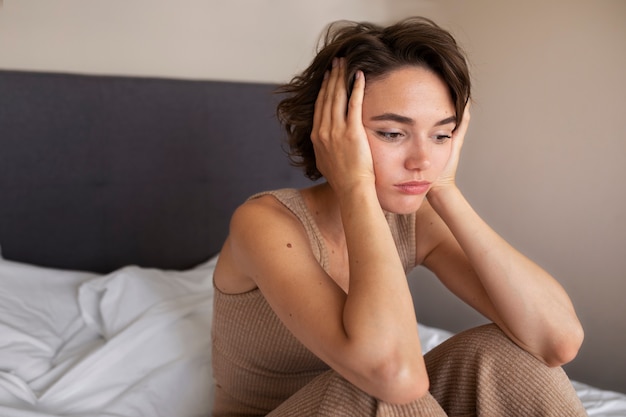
{"x":417,"y":157}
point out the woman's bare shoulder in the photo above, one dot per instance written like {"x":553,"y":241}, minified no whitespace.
{"x":262,"y":214}
{"x":256,"y":228}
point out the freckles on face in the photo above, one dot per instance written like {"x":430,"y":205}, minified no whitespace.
{"x":409,"y":95}
{"x":409,"y":117}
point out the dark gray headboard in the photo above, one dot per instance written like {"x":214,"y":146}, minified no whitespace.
{"x":101,"y":172}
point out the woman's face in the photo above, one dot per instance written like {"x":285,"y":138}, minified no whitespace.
{"x":409,"y":117}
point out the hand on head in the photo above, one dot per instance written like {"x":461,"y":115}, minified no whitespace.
{"x":342,"y":150}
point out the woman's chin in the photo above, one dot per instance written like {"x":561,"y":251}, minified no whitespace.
{"x":402,"y":205}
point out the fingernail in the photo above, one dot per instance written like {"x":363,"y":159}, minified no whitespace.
{"x":335,"y":62}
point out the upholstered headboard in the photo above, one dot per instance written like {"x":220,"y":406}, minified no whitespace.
{"x":99,"y":172}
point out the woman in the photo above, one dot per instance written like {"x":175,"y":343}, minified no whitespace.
{"x":313,"y":314}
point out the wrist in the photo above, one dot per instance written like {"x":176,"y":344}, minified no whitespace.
{"x":359,"y":189}
{"x":442,"y":196}
{"x":360,"y":206}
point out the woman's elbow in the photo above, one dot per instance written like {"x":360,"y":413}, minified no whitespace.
{"x":566,"y":348}
{"x":401,"y":383}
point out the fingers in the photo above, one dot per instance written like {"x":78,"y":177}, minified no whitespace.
{"x":338,"y":93}
{"x":327,"y":119}
{"x":355,"y":106}
{"x":462,"y":128}
{"x":319,"y":104}
{"x":331,"y":102}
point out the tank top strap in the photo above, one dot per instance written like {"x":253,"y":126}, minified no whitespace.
{"x":292,"y":199}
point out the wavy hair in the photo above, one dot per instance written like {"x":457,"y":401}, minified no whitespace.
{"x":376,"y":51}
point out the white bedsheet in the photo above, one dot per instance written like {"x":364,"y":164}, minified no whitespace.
{"x":132,"y":343}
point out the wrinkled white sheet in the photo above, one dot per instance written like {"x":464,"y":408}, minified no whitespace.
{"x":132,"y":343}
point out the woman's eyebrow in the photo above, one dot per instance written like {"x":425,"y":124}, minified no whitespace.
{"x":394,"y":117}
{"x":451,"y":119}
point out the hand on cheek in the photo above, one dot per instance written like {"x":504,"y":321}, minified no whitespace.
{"x":448,"y":175}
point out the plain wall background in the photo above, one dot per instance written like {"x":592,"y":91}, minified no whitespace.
{"x":545,"y":158}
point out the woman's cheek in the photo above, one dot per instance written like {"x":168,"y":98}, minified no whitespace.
{"x":442,"y":155}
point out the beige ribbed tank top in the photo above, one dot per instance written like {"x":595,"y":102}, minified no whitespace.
{"x":257,"y":362}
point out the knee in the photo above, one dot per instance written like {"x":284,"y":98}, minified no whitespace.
{"x":489,"y":343}
{"x":485,"y":338}
{"x":491,"y":350}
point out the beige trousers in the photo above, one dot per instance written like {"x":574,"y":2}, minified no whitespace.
{"x":479,"y":372}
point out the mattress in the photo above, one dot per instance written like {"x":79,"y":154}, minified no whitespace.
{"x":135,"y":342}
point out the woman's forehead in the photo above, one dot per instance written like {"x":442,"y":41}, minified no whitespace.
{"x":408,"y":90}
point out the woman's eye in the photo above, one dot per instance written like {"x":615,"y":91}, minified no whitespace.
{"x":442,"y":138}
{"x":390,"y":136}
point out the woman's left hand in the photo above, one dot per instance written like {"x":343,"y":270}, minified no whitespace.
{"x":448,"y":175}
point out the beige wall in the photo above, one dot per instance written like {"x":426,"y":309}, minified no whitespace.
{"x":545,"y":159}
{"x":244,"y":40}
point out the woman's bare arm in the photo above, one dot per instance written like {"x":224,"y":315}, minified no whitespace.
{"x":488,"y":273}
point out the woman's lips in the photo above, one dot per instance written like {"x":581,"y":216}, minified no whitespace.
{"x":413,"y":187}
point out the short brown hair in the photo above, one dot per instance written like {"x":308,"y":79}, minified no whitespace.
{"x":376,"y":51}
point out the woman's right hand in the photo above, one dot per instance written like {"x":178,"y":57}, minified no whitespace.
{"x":341,"y":147}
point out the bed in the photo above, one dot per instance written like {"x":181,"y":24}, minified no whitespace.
{"x":115,"y":198}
